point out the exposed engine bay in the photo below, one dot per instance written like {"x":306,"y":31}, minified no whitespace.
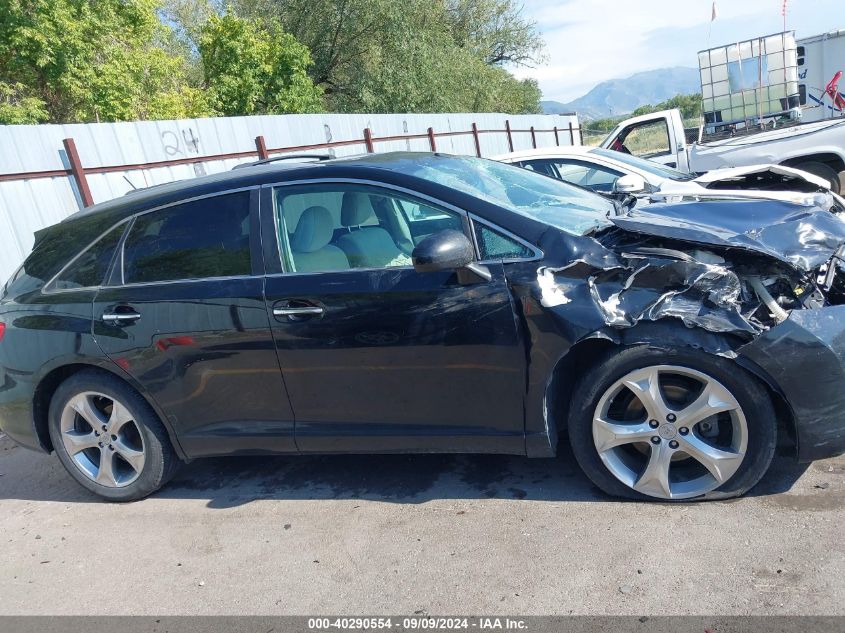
{"x":729,"y":267}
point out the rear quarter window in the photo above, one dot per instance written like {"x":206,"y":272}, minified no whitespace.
{"x":90,"y":267}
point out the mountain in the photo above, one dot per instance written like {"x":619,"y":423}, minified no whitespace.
{"x":625,"y":95}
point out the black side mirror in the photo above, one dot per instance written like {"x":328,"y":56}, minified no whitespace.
{"x":449,"y":250}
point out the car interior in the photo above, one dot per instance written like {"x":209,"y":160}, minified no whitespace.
{"x":339,"y":229}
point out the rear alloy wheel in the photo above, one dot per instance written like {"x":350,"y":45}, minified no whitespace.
{"x":109,"y":438}
{"x":103,"y":439}
{"x":672,"y":425}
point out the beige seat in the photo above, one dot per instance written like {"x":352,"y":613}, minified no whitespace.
{"x":310,"y":246}
{"x":365,"y":246}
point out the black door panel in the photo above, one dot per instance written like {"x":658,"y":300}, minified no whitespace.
{"x":204,"y":351}
{"x":401,"y":361}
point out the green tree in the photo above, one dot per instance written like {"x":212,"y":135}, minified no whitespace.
{"x":88,"y":60}
{"x":494,"y":31}
{"x":412,"y":55}
{"x":253,"y":67}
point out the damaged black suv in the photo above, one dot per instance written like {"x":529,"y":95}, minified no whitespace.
{"x":427,"y":303}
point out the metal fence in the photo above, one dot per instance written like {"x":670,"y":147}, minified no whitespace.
{"x":50,"y":171}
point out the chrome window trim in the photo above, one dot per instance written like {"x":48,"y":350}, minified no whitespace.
{"x":47,"y":290}
{"x":536,"y":252}
{"x":189,"y":280}
{"x":357,"y":181}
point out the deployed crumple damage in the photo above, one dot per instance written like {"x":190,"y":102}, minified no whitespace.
{"x":733,"y":270}
{"x":699,"y":294}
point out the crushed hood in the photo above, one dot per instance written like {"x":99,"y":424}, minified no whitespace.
{"x":801,"y":237}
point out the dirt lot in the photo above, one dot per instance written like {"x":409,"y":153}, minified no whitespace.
{"x":406,"y":534}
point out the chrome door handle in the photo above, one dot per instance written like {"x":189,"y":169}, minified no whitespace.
{"x":298,"y":311}
{"x":120,"y":318}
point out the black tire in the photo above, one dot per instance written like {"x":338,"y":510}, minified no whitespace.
{"x":160,"y":461}
{"x":822,"y":170}
{"x":752,"y":396}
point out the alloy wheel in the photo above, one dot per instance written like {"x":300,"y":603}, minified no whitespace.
{"x":670,"y":432}
{"x":102,"y":439}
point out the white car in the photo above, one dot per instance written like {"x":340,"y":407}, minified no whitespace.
{"x":607,"y":171}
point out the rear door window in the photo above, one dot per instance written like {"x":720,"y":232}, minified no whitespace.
{"x":195,"y":240}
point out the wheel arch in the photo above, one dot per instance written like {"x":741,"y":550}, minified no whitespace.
{"x":49,"y":383}
{"x":831,"y":159}
{"x":591,"y":351}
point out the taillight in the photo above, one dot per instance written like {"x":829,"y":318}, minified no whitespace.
{"x":2,"y":330}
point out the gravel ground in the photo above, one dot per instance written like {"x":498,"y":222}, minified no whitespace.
{"x":405,"y":534}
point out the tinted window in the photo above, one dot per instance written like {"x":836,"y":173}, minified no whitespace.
{"x":195,"y":240}
{"x":494,"y":245}
{"x":56,"y":246}
{"x":89,"y":269}
{"x":339,"y":227}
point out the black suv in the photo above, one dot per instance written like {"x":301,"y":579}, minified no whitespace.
{"x":426,"y":303}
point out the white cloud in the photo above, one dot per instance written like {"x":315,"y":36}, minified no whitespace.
{"x":589,"y":41}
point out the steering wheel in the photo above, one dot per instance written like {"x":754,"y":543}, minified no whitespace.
{"x":619,"y":146}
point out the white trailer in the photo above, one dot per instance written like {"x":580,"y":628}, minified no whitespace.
{"x":820,"y":57}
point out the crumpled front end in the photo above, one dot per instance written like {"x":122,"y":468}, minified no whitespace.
{"x":773,"y":298}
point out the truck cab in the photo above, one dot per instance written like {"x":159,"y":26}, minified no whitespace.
{"x":658,"y":136}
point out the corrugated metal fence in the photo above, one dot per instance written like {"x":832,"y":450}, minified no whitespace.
{"x":50,"y":171}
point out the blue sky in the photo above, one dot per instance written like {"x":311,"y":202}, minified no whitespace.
{"x":588,"y":41}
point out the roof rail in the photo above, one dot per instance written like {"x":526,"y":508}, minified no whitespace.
{"x":274,"y":159}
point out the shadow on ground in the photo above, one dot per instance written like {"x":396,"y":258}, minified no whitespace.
{"x":232,"y":481}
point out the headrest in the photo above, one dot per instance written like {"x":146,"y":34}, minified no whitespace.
{"x":355,"y":209}
{"x":313,"y":231}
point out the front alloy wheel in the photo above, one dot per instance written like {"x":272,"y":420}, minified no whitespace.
{"x":671,"y":424}
{"x":670,"y":432}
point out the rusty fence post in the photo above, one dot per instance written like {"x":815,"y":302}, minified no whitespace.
{"x":78,"y":172}
{"x":476,"y":139}
{"x":431,"y":139}
{"x":510,"y":136}
{"x":557,"y":138}
{"x":571,"y":134}
{"x":368,"y":140}
{"x":533,"y":138}
{"x":581,"y":134}
{"x":261,"y":146}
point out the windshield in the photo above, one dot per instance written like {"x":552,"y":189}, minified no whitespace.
{"x":532,"y":195}
{"x":648,"y":166}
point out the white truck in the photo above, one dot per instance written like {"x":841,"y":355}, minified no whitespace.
{"x":818,"y":147}
{"x":752,"y":112}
